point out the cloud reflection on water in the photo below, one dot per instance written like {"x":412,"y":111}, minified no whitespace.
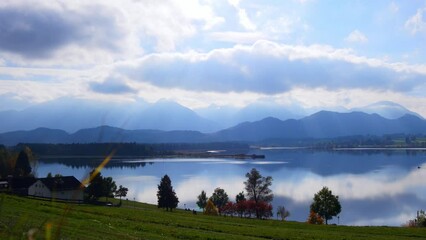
{"x":374,"y":189}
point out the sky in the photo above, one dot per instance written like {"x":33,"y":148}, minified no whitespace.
{"x":200,"y":53}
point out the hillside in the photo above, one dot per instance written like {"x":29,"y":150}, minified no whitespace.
{"x":136,"y":220}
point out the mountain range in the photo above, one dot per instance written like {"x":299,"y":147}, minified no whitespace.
{"x":71,"y":115}
{"x":323,"y":124}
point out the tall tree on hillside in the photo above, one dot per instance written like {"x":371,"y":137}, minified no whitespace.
{"x":219,"y":198}
{"x":326,"y":204}
{"x":257,"y":188}
{"x":166,"y":195}
{"x":121,"y":192}
{"x":22,"y":166}
{"x":202,"y":200}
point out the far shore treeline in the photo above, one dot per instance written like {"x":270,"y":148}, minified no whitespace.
{"x":129,"y":149}
{"x":169,"y":149}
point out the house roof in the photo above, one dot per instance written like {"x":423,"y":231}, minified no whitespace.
{"x":61,"y":183}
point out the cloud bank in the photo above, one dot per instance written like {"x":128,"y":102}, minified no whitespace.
{"x":271,"y":68}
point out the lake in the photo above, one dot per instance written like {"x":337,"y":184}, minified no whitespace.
{"x":375,"y":187}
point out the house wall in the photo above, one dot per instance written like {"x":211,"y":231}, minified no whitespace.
{"x":38,"y":189}
{"x":73,"y":195}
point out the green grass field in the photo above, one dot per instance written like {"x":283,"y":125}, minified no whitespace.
{"x":54,"y":220}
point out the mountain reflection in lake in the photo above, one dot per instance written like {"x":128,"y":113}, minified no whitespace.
{"x":374,"y":187}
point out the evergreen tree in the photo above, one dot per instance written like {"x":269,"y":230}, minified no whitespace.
{"x":99,"y":187}
{"x":202,"y":200}
{"x":95,"y":188}
{"x":326,"y":204}
{"x":166,"y":195}
{"x":22,"y":166}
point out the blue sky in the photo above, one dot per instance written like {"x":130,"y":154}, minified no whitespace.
{"x":309,"y":53}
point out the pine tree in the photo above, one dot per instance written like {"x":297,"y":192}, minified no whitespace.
{"x":22,"y":166}
{"x":95,"y":188}
{"x":166,"y":195}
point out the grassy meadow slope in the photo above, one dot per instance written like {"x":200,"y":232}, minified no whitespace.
{"x":19,"y":215}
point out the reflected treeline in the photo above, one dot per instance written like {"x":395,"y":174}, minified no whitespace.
{"x":347,"y":151}
{"x":331,"y":162}
{"x":385,"y":141}
{"x":387,"y":152}
{"x":356,"y":141}
{"x":87,"y":162}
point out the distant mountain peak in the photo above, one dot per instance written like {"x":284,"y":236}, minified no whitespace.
{"x":386,"y":103}
{"x":387,"y":109}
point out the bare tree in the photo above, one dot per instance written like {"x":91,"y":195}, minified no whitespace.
{"x":282,"y":212}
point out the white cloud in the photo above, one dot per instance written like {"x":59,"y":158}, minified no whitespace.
{"x":271,"y":68}
{"x":356,"y":36}
{"x":243,"y":17}
{"x":106,"y":37}
{"x":98,"y":31}
{"x":245,"y":20}
{"x":57,"y":34}
{"x":282,"y":25}
{"x":238,"y":37}
{"x":416,"y":24}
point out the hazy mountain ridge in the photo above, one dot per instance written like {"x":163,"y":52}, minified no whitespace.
{"x":387,"y":109}
{"x":71,"y":115}
{"x":323,"y":124}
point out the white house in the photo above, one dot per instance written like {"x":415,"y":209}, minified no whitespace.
{"x":62,"y":188}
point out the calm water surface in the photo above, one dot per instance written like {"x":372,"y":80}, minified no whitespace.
{"x":374,"y":187}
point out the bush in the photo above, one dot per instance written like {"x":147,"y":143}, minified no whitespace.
{"x":419,"y":221}
{"x":211,"y":209}
{"x":315,"y":218}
